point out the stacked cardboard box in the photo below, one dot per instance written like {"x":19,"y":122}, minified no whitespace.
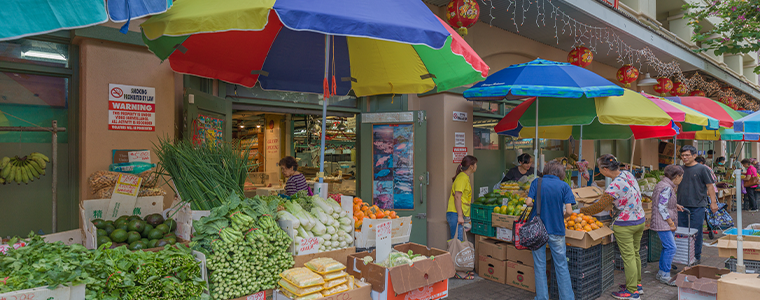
{"x":502,"y":262}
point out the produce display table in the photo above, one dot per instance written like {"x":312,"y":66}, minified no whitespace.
{"x":727,"y":196}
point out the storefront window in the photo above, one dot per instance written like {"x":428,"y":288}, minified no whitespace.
{"x":513,"y":143}
{"x":488,"y":107}
{"x":257,"y":92}
{"x":483,"y":135}
{"x":32,"y":100}
{"x":35,"y":52}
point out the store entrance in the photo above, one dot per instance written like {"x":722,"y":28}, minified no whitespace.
{"x":274,"y":133}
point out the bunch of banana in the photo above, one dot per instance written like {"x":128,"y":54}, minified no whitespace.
{"x":22,"y":169}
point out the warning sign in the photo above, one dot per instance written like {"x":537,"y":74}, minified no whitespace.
{"x":459,"y":154}
{"x":131,"y":108}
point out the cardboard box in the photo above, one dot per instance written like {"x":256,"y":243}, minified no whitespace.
{"x":504,"y":234}
{"x":340,"y":255}
{"x":504,"y":221}
{"x":263,"y":295}
{"x":699,"y":282}
{"x":494,"y":249}
{"x":435,"y":291}
{"x":586,"y":196}
{"x":60,"y":293}
{"x":401,"y":229}
{"x":361,"y":293}
{"x":738,"y":286}
{"x":524,"y":257}
{"x":521,"y":276}
{"x":404,"y":278}
{"x":492,"y":269}
{"x":586,"y":240}
{"x":751,"y":245}
{"x":647,"y":205}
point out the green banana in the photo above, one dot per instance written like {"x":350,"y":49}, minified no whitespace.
{"x":40,"y":155}
{"x":2,"y":181}
{"x":40,"y":161}
{"x":24,"y":175}
{"x":35,"y":165}
{"x":6,"y":171}
{"x":6,"y":161}
{"x":32,"y":171}
{"x":18,"y":175}
{"x":11,"y":173}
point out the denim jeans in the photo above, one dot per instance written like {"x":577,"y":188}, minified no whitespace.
{"x":557,"y":245}
{"x":697,"y":221}
{"x":451,"y":218}
{"x":668,"y":251}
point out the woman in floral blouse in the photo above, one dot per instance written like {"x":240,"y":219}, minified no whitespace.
{"x":624,"y":197}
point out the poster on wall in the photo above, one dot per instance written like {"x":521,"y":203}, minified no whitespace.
{"x":131,"y":108}
{"x":393,"y":166}
{"x":207,"y":129}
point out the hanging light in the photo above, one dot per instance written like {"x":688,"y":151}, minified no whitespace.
{"x":647,"y":81}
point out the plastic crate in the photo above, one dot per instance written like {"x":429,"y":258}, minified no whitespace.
{"x":608,"y":277}
{"x":586,"y":288}
{"x":608,"y":255}
{"x":644,"y":239}
{"x":752,"y":266}
{"x":581,"y":261}
{"x":655,"y":247}
{"x":479,"y":212}
{"x":483,"y":228}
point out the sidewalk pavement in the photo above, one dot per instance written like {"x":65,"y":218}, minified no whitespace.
{"x":653,"y":289}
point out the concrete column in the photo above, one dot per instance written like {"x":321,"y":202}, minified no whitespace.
{"x":749,"y":72}
{"x":681,"y":28}
{"x":440,"y":142}
{"x":734,"y":62}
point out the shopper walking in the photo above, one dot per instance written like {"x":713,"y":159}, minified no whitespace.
{"x":458,"y":212}
{"x":750,"y":185}
{"x":556,"y":203}
{"x":664,"y":219}
{"x":624,"y":196}
{"x":695,"y":192}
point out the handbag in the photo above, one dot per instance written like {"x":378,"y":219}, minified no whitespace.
{"x":462,"y":252}
{"x":720,"y":219}
{"x":531,"y":234}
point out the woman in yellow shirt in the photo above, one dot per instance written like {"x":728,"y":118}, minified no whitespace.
{"x":458,"y":212}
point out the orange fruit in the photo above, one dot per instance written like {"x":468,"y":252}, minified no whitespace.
{"x":372,"y":216}
{"x":594,"y":227}
{"x":393,"y":214}
{"x":358,"y":224}
{"x":578,"y":226}
{"x":357,"y":207}
{"x":571,"y":223}
{"x":578,"y":220}
{"x":380,"y":215}
{"x":360,"y":215}
{"x":584,"y":223}
{"x":587,"y":228}
{"x":357,"y":200}
{"x":599,"y":224}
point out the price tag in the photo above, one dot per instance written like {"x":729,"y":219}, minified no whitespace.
{"x":124,"y":196}
{"x":258,"y":296}
{"x":383,"y":240}
{"x":483,"y":191}
{"x":308,"y":246}
{"x":139,"y":156}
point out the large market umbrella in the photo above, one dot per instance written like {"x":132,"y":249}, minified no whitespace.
{"x":26,"y":18}
{"x":542,"y":78}
{"x":330,"y":48}
{"x":712,"y":108}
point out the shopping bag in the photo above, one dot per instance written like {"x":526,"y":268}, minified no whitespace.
{"x":462,"y":252}
{"x":720,"y":219}
{"x":531,"y":234}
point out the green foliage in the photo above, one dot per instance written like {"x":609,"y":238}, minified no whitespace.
{"x":738,"y":33}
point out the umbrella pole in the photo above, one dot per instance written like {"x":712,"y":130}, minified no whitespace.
{"x":321,"y":174}
{"x":740,"y":268}
{"x":538,"y":144}
{"x":633,"y":152}
{"x":675,"y":153}
{"x":580,"y":156}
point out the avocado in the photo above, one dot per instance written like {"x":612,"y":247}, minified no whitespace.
{"x":124,"y":218}
{"x":99,"y":223}
{"x":136,"y":225}
{"x":103,"y":239}
{"x":155,"y":234}
{"x":134,"y":217}
{"x":109,"y":228}
{"x":133,"y":236}
{"x":163,"y":228}
{"x":119,"y":236}
{"x":152,"y":243}
{"x":170,"y":234}
{"x":144,"y":240}
{"x":147,"y":230}
{"x":161,"y":243}
{"x":119,"y":223}
{"x":154,"y":219}
{"x":102,"y":232}
{"x":123,"y":227}
{"x":171,"y":223}
{"x":171,"y":240}
{"x":109,"y":222}
{"x":137,"y":245}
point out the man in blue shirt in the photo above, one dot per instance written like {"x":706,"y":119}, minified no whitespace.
{"x":556,"y":203}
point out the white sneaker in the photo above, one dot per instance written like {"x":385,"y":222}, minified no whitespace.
{"x":666,"y":280}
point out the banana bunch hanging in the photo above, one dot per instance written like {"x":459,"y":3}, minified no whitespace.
{"x":23,"y":169}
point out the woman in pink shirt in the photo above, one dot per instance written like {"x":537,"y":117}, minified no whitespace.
{"x":750,"y":183}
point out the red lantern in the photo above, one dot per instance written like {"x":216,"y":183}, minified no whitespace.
{"x":580,"y":56}
{"x":627,"y":74}
{"x":697,"y":93}
{"x":663,"y":86}
{"x":679,"y":89}
{"x":462,"y":14}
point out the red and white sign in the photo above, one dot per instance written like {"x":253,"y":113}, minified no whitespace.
{"x":131,"y":108}
{"x":308,"y":246}
{"x":139,"y":156}
{"x":383,"y":234}
{"x":4,"y":248}
{"x":459,"y":154}
{"x":258,"y":296}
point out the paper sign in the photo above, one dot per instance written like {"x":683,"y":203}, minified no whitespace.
{"x":131,"y":108}
{"x":383,"y":240}
{"x":258,"y":296}
{"x":4,"y":248}
{"x":124,"y":195}
{"x":483,"y":191}
{"x":139,"y":156}
{"x":460,"y":116}
{"x":459,"y":154}
{"x":459,"y":139}
{"x":308,"y":246}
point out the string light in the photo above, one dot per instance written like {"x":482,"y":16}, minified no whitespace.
{"x":591,"y":36}
{"x":490,"y":11}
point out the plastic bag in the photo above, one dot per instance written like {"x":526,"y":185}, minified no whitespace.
{"x":334,"y":275}
{"x":106,"y":193}
{"x":324,"y":265}
{"x":103,"y":179}
{"x":298,"y":291}
{"x":302,"y":277}
{"x":292,"y":296}
{"x":333,"y":283}
{"x":338,"y":289}
{"x":136,"y":167}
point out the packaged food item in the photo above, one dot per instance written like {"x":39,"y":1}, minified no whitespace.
{"x":338,"y":289}
{"x":298,"y":291}
{"x":334,"y":275}
{"x":290,"y":295}
{"x":136,"y":167}
{"x":324,"y":265}
{"x":103,"y":179}
{"x":351,"y":283}
{"x":302,"y":277}
{"x":334,"y":283}
{"x":107,"y":192}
